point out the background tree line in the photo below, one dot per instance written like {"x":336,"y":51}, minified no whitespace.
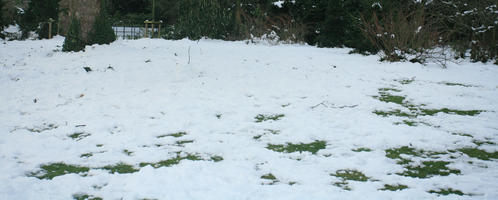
{"x":414,"y":30}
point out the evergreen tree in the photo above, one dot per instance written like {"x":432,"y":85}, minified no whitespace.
{"x":39,"y":11}
{"x":2,"y":22}
{"x":102,"y":32}
{"x":204,"y":18}
{"x":73,"y":41}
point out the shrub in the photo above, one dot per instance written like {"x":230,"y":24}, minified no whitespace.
{"x":401,"y":33}
{"x":102,"y":32}
{"x":204,"y":18}
{"x":73,"y":41}
{"x":2,"y":21}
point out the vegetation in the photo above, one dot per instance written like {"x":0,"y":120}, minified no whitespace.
{"x":301,"y":147}
{"x":102,"y":32}
{"x":36,"y":17}
{"x":74,"y":41}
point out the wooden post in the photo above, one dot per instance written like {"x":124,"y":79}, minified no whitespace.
{"x":159,"y":32}
{"x":152,"y":31}
{"x":145,"y":28}
{"x":50,"y":20}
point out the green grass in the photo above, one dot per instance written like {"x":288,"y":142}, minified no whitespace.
{"x":456,"y":84}
{"x":120,"y":168}
{"x":395,"y":112}
{"x":127,"y":152}
{"x":432,"y":112}
{"x":479,"y":154}
{"x":389,"y":98}
{"x":397,"y":187}
{"x":429,"y":169}
{"x":216,"y":158}
{"x":79,"y":135}
{"x":53,"y":170}
{"x":86,"y":155}
{"x":176,"y":160}
{"x":41,"y":129}
{"x":271,"y":178}
{"x":182,"y":142}
{"x":447,"y":191}
{"x":176,"y":135}
{"x":261,"y":118}
{"x":85,"y":197}
{"x":349,"y":175}
{"x":301,"y":147}
{"x":405,"y":81}
{"x":362,"y":149}
{"x":389,"y":89}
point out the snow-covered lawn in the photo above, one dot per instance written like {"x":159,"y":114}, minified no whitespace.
{"x":158,"y":119}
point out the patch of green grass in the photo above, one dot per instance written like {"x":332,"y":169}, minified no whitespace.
{"x":99,"y":145}
{"x":463,"y":134}
{"x":447,"y":191}
{"x":362,"y":149}
{"x":40,"y":129}
{"x":480,"y":143}
{"x":389,"y":98}
{"x":397,"y":187}
{"x":429,"y":169}
{"x":182,"y":142}
{"x":127,"y":152}
{"x":349,"y":175}
{"x":456,"y":84}
{"x":261,"y":118}
{"x":274,"y":132}
{"x":432,"y":112}
{"x":50,"y":171}
{"x":176,"y":135}
{"x":396,"y":112}
{"x":271,"y":178}
{"x":257,"y":137}
{"x":172,"y":161}
{"x":86,"y":155}
{"x":216,"y":158}
{"x":120,"y":168}
{"x":290,"y":148}
{"x":395,"y":153}
{"x":389,"y":89}
{"x":405,"y":81}
{"x":79,"y":135}
{"x":85,"y":197}
{"x":479,"y":153}
{"x":407,"y":122}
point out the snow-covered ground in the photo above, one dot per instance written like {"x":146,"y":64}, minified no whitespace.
{"x":158,"y":119}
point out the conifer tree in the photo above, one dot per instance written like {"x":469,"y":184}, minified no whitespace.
{"x":73,"y":41}
{"x":102,"y":32}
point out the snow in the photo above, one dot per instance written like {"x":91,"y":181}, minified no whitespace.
{"x":141,"y":89}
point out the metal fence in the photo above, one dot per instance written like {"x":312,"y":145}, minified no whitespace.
{"x":132,"y":32}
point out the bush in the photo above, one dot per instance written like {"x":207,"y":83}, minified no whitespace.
{"x":73,"y":41}
{"x":102,"y":32}
{"x":204,"y":18}
{"x":2,"y":21}
{"x":402,"y":33}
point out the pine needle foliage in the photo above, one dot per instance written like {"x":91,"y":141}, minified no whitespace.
{"x":102,"y":32}
{"x":73,"y":41}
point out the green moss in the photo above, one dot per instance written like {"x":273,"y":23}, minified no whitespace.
{"x":447,"y":191}
{"x":120,"y":168}
{"x":53,"y":170}
{"x":429,"y":169}
{"x":362,"y":149}
{"x":290,"y":148}
{"x":261,"y":118}
{"x":396,"y":187}
{"x":479,"y":154}
{"x":85,"y":197}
